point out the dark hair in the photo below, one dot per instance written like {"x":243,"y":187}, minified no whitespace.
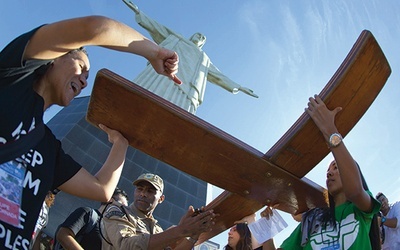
{"x":378,"y":195}
{"x":244,"y":242}
{"x":117,"y":192}
{"x":81,"y":49}
{"x":39,"y":72}
{"x":328,"y":216}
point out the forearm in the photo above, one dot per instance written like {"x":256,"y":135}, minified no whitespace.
{"x":70,"y":244}
{"x":216,"y":77}
{"x":168,"y":238}
{"x":269,"y":245}
{"x":391,"y":222}
{"x":349,"y":173}
{"x":109,"y":175}
{"x":67,"y":239}
{"x":56,"y":39}
{"x":120,"y":37}
{"x":186,"y":244}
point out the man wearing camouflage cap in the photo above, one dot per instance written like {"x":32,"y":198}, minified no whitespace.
{"x":134,"y":227}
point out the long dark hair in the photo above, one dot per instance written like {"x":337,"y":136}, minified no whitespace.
{"x":244,"y":242}
{"x":328,"y":216}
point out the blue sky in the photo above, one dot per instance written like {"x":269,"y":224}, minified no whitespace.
{"x":286,"y":51}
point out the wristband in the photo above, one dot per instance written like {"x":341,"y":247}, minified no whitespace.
{"x":383,"y":219}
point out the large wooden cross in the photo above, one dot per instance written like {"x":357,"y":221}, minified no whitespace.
{"x":251,"y":179}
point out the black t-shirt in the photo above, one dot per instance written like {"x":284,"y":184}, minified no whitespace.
{"x":78,"y":221}
{"x":46,"y":164}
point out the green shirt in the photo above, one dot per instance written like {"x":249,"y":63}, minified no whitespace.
{"x":352,"y":231}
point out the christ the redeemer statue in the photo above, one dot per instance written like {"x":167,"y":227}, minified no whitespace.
{"x":195,"y":67}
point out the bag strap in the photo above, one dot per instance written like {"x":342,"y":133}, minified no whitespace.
{"x":101,"y":217}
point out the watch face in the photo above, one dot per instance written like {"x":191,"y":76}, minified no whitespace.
{"x":335,"y":140}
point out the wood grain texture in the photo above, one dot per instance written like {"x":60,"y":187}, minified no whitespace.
{"x":354,"y":87}
{"x":251,"y":179}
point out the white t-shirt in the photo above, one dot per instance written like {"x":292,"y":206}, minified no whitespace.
{"x":392,"y":235}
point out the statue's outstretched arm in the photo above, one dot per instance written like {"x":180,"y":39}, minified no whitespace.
{"x":156,"y":30}
{"x":132,"y":6}
{"x":248,"y":91}
{"x":215,"y":76}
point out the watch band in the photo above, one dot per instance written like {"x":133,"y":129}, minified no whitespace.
{"x":193,"y":241}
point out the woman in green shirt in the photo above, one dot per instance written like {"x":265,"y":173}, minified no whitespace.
{"x":350,"y":220}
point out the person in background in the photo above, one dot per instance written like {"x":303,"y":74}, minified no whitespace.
{"x":48,"y":66}
{"x":390,"y":222}
{"x":43,"y":219}
{"x":239,"y":238}
{"x":81,"y":230}
{"x":134,"y":227}
{"x":350,"y":220}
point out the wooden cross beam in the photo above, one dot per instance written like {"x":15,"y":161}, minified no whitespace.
{"x":250,"y":178}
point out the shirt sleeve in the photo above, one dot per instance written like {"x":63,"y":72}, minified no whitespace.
{"x":76,"y":221}
{"x":376,"y":207}
{"x":121,"y":232}
{"x":11,"y":56}
{"x":294,"y":240}
{"x":66,"y":167}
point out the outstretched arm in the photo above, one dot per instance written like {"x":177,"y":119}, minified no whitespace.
{"x":156,"y":30}
{"x":215,"y":76}
{"x":269,"y":244}
{"x":132,"y":6}
{"x":248,"y":91}
{"x":56,"y":39}
{"x":125,"y":235}
{"x":101,"y":186}
{"x":349,"y":172}
{"x":191,"y":226}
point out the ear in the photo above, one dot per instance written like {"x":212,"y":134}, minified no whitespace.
{"x":162,"y":198}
